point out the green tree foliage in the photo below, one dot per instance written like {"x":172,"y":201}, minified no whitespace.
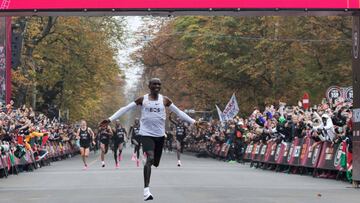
{"x":262,"y":59}
{"x":69,"y":62}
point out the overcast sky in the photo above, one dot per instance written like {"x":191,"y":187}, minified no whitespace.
{"x":132,"y":71}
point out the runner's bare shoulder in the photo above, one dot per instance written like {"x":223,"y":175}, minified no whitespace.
{"x":167,"y":101}
{"x":139,"y":101}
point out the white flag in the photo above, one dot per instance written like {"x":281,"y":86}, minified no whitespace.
{"x":221,"y":116}
{"x":231,"y":109}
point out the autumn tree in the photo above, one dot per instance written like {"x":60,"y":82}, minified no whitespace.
{"x":261,"y":59}
{"x":69,"y":63}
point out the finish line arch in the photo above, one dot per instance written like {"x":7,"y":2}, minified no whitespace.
{"x":210,"y":7}
{"x":178,"y":7}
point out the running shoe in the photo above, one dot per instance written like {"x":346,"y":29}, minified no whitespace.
{"x":103,"y":164}
{"x":117,"y":166}
{"x":148,"y":197}
{"x":179,"y":163}
{"x":85,"y":168}
{"x":119,"y":157}
{"x":133,"y":158}
{"x":138,"y":163}
{"x":147,"y":194}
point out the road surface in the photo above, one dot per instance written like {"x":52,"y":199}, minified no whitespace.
{"x":199,"y":180}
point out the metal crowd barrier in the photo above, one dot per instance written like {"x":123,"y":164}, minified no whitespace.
{"x":52,"y":151}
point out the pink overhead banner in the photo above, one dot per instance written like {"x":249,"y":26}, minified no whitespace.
{"x":176,"y":4}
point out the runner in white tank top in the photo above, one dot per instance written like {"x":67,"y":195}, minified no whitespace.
{"x":152,"y":126}
{"x":153,"y":116}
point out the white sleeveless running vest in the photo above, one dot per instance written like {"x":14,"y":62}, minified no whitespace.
{"x":153,"y":116}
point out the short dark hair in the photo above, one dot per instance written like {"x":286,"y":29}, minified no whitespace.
{"x":153,"y":80}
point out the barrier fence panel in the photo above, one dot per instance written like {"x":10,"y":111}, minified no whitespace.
{"x":247,"y":154}
{"x":310,"y":153}
{"x":224,"y":150}
{"x":258,"y":152}
{"x":303,"y":152}
{"x":263,"y":152}
{"x":272,"y":152}
{"x":281,"y":153}
{"x":330,"y":156}
{"x":293,"y":158}
{"x":253,"y":152}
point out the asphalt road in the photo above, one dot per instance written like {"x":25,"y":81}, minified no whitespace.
{"x":199,"y":180}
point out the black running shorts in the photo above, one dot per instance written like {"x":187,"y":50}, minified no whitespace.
{"x":154,"y":144}
{"x":85,"y":144}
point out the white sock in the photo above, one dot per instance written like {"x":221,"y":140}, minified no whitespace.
{"x":103,"y":162}
{"x":146,"y":190}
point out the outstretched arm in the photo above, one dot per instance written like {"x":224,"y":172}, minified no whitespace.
{"x":178,"y":112}
{"x":122,"y":111}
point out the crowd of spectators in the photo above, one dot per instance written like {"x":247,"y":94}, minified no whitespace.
{"x":22,"y":129}
{"x":325,"y":122}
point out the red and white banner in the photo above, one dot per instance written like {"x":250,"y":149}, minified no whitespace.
{"x":306,"y":101}
{"x":176,"y":4}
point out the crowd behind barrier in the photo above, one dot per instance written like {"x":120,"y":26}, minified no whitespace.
{"x":316,"y":141}
{"x":29,"y":140}
{"x":291,"y":139}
